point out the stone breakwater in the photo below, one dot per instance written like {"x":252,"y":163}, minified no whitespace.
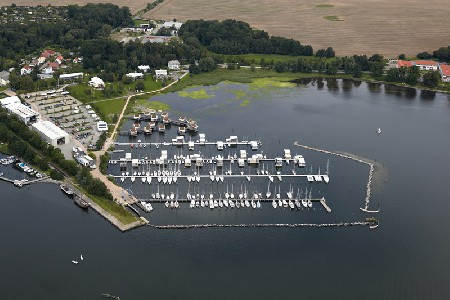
{"x":198,"y":226}
{"x":354,"y":158}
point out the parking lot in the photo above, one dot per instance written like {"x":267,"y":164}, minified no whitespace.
{"x":68,"y":113}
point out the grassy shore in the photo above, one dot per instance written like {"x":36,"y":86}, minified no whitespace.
{"x":116,"y":210}
{"x":243,"y":76}
{"x":4,"y":149}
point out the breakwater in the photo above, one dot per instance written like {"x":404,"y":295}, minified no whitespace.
{"x":347,"y":156}
{"x":198,"y":226}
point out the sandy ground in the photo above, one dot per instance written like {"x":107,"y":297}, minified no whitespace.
{"x":389,"y":27}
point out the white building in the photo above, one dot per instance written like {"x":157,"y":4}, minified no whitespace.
{"x":9,"y":100}
{"x":160,"y":74}
{"x":426,"y":65}
{"x":97,"y":83}
{"x":24,"y":113}
{"x":144,"y":68}
{"x":135,"y":75}
{"x":173,"y":65}
{"x":70,"y":76}
{"x":171,"y":24}
{"x":51,"y":133}
{"x":102,"y":126}
{"x":26,"y":70}
{"x":444,"y":70}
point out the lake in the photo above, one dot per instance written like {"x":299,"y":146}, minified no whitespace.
{"x":403,"y":258}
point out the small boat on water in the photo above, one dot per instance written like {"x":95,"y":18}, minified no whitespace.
{"x":274,"y":204}
{"x":75,"y":262}
{"x":379,"y":130}
{"x":66,"y":190}
{"x":78,"y":200}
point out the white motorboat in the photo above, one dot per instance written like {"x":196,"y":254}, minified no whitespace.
{"x":122,"y":179}
{"x":247,"y":203}
{"x":274,"y":204}
{"x":149,"y":179}
{"x":143,"y":179}
{"x":231,"y":203}
{"x":133,"y":178}
{"x":75,"y":262}
{"x":166,"y":204}
{"x":285,"y":203}
{"x":291,"y":204}
{"x":379,"y":130}
{"x":253,"y":204}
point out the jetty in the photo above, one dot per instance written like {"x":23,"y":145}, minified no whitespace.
{"x":370,"y":223}
{"x":369,"y":181}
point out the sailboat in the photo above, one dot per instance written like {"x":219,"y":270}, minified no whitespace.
{"x":379,"y":130}
{"x":274,"y":203}
{"x":81,"y":257}
{"x":268,"y":193}
{"x":326,"y":177}
{"x":304,"y":201}
{"x":309,"y":200}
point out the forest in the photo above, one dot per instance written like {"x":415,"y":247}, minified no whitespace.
{"x":237,"y":37}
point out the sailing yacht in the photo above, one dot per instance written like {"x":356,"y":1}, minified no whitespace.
{"x":274,"y":203}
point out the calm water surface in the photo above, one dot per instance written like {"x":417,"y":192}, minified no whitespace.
{"x":404,"y":258}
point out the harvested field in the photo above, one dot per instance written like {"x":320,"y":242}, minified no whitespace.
{"x":389,"y":27}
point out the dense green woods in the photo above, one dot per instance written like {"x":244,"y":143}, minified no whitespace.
{"x":237,"y":37}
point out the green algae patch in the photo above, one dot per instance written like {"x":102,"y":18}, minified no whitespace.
{"x":244,"y":103}
{"x":199,"y":94}
{"x":270,"y":83}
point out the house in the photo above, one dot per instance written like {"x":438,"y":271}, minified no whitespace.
{"x":47,"y":70}
{"x":41,"y":60}
{"x":77,"y":60}
{"x":4,"y":78}
{"x":444,"y":70}
{"x":404,"y":63}
{"x":45,"y":76}
{"x":171,"y":24}
{"x":47,"y":53}
{"x":59,"y":59}
{"x":144,"y":68}
{"x":173,"y":65}
{"x":160,"y":74}
{"x":135,"y":75}
{"x":53,"y":65}
{"x":26,"y":70}
{"x":97,"y":83}
{"x":426,"y":65}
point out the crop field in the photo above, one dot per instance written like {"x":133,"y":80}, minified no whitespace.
{"x":389,"y":27}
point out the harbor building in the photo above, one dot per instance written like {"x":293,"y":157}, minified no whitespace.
{"x":9,"y":100}
{"x":51,"y":133}
{"x":26,"y":114}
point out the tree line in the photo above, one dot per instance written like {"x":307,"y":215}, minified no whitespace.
{"x":237,"y":37}
{"x":442,"y":54}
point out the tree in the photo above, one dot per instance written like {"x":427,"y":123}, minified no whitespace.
{"x":357,"y":71}
{"x":431,"y":79}
{"x":413,"y":75}
{"x":401,"y":56}
{"x":207,"y":64}
{"x":376,"y":68}
{"x":140,"y":86}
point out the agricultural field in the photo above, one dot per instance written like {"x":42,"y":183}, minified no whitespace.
{"x":349,"y":26}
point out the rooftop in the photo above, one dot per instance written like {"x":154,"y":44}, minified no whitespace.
{"x":22,"y":110}
{"x":50,"y":130}
{"x":445,"y":69}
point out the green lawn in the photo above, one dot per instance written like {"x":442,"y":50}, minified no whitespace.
{"x":108,"y":108}
{"x":87,"y":94}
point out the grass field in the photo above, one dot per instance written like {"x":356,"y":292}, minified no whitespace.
{"x":333,"y":18}
{"x":108,"y":108}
